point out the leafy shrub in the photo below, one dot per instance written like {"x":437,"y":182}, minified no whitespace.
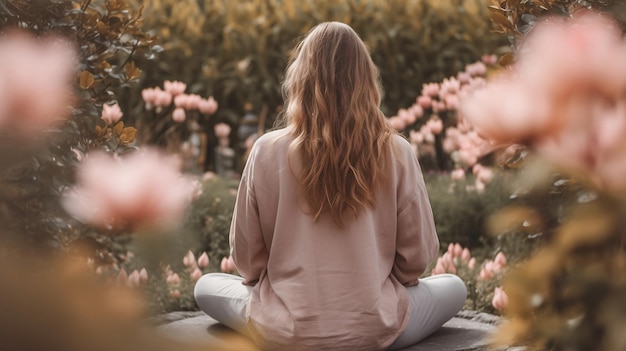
{"x":108,"y":38}
{"x":460,"y":211}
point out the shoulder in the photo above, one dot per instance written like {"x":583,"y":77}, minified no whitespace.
{"x":270,"y":140}
{"x":402,"y":148}
{"x":270,"y":146}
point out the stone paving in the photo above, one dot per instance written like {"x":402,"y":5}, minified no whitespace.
{"x":468,"y":331}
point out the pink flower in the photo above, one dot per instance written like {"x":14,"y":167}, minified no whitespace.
{"x":449,"y":86}
{"x":435,"y":125}
{"x":417,"y":111}
{"x":35,"y":80}
{"x":121,"y":193}
{"x":193,"y":102}
{"x":111,"y":114}
{"x":195,"y":274}
{"x":149,"y":96}
{"x":489,"y":59}
{"x":203,"y":261}
{"x":175,"y":294}
{"x":143,"y":275}
{"x":424,"y":101}
{"x":189,"y":260}
{"x":430,"y":89}
{"x":179,"y":115}
{"x":397,"y":123}
{"x":207,"y":106}
{"x":222,"y":130}
{"x":134,"y":279}
{"x":180,"y":101}
{"x":174,"y":87}
{"x":227,"y":264}
{"x":476,"y":69}
{"x":408,"y":117}
{"x":162,"y":98}
{"x":172,"y":279}
{"x":500,"y":299}
{"x":457,"y":174}
{"x":416,"y":137}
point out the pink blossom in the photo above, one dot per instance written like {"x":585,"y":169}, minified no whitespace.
{"x":505,"y":111}
{"x":438,"y":106}
{"x":179,"y":115}
{"x":452,"y":101}
{"x":472,"y":263}
{"x":172,"y":279}
{"x":430,"y":89}
{"x":408,"y":117}
{"x":565,"y":98}
{"x":416,"y":137}
{"x":396,"y":123}
{"x":207,"y":106}
{"x":500,"y":259}
{"x":162,"y":98}
{"x":449,"y":86}
{"x":435,"y":125}
{"x":143,"y":275}
{"x":134,"y":279}
{"x":121,"y":193}
{"x":500,"y":299}
{"x":189,"y":260}
{"x":174,"y":87}
{"x":193,"y":102}
{"x":479,"y":186}
{"x":424,"y":101}
{"x":111,"y":114}
{"x":468,"y":157}
{"x":149,"y":95}
{"x":227,"y":264}
{"x":457,"y":174}
{"x":203,"y":261}
{"x":463,"y":77}
{"x":489,"y":59}
{"x":222,"y":130}
{"x":417,"y":111}
{"x":35,"y":80}
{"x":466,"y":255}
{"x":180,"y":101}
{"x":476,"y":69}
{"x":195,"y":274}
{"x":175,"y":294}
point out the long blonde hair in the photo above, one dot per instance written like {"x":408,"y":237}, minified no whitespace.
{"x":332,"y":100}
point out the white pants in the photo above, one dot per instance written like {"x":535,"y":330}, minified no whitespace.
{"x":433,"y":302}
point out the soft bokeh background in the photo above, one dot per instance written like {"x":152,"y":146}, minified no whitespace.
{"x":124,"y":125}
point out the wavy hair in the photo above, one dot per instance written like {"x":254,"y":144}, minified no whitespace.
{"x":332,"y":97}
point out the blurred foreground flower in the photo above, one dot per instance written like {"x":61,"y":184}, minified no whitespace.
{"x":566,"y":98}
{"x":35,"y":80}
{"x":500,"y":299}
{"x":144,"y":189}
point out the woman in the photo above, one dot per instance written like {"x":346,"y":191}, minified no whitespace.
{"x":332,"y":227}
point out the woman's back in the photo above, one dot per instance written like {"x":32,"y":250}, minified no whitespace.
{"x":316,"y":284}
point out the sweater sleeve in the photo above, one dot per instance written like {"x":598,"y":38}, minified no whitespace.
{"x":416,"y":238}
{"x":247,"y":246}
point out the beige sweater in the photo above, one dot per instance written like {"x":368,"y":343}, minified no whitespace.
{"x":319,"y":287}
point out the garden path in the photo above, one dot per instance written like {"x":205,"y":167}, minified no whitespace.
{"x":468,"y":331}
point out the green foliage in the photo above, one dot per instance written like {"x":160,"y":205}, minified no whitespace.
{"x":460,"y":212}
{"x":237,"y":51}
{"x":209,"y":219}
{"x":107,"y":37}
